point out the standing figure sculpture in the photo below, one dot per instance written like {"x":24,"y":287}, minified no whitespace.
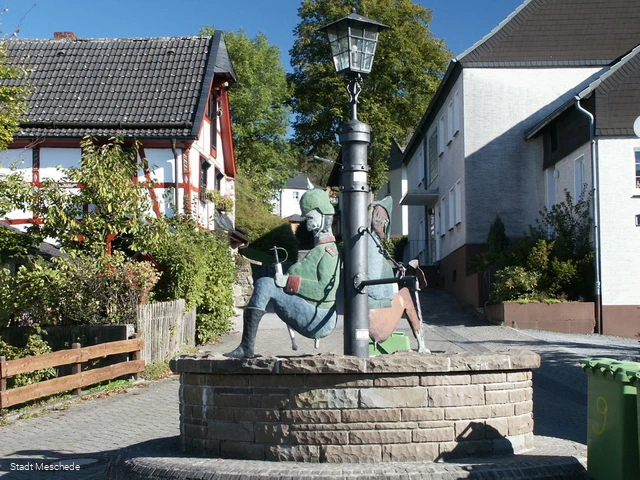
{"x":305,"y":297}
{"x":387,"y":303}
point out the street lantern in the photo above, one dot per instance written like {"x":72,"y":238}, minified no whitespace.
{"x":353,"y":42}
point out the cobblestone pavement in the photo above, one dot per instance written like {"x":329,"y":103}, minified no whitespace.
{"x":145,"y":419}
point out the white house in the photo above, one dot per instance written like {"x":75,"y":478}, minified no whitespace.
{"x":482,"y":148}
{"x":170,"y":94}
{"x":287,"y":201}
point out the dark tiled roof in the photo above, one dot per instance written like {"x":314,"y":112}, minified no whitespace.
{"x":299,"y":182}
{"x":142,"y":87}
{"x":617,"y":91}
{"x":560,"y":33}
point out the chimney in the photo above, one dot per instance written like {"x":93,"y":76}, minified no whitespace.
{"x":64,"y":36}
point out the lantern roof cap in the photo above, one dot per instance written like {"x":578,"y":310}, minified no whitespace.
{"x":354,"y":17}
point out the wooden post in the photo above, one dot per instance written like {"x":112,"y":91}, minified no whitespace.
{"x":136,"y":355}
{"x":76,"y":368}
{"x":3,"y":378}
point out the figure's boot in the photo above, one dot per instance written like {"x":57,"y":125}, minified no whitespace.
{"x":251,"y":319}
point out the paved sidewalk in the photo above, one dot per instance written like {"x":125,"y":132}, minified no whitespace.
{"x":146,"y":420}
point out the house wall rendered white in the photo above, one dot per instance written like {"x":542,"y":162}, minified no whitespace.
{"x":415,"y":169}
{"x":564,"y":174}
{"x":451,"y":234}
{"x":289,"y":202}
{"x":503,"y":173}
{"x":619,"y":235}
{"x":396,"y":188}
{"x":19,"y":161}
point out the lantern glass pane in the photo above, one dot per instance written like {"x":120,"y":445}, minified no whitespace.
{"x":369,"y":47}
{"x":367,"y":63}
{"x":370,"y":34}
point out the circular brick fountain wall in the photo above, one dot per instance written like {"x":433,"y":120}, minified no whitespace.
{"x":328,"y":408}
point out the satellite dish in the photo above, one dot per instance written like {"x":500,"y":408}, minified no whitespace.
{"x":636,"y":127}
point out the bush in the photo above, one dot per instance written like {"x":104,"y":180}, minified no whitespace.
{"x":555,"y":260}
{"x":395,"y":246}
{"x":78,"y":290}
{"x":198,"y":266}
{"x":513,"y":283}
{"x":35,"y":346}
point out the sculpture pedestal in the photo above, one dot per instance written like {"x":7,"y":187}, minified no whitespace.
{"x":404,"y":407}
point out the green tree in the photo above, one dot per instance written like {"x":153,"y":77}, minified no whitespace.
{"x":407,"y":70}
{"x":111,"y":205}
{"x":259,"y":111}
{"x":13,"y":96}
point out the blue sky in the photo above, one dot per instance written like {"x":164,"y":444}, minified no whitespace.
{"x":459,"y":22}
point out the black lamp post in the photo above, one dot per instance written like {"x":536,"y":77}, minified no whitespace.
{"x":353,"y":42}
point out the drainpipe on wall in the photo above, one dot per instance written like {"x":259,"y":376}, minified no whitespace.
{"x":175,"y":175}
{"x":596,"y":214}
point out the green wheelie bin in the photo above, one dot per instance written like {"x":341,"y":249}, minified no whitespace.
{"x":635,"y":381}
{"x":612,"y":423}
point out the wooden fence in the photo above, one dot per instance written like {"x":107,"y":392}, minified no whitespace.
{"x":75,"y":357}
{"x":166,"y":328}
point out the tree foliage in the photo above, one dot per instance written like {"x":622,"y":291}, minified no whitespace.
{"x":13,"y":95}
{"x":260,"y":111}
{"x":555,"y":260}
{"x":265,"y":229}
{"x":406,"y":72}
{"x":198,"y":266}
{"x":97,"y":202}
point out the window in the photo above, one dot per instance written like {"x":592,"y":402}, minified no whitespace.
{"x":443,"y":217}
{"x":213,"y":118}
{"x":458,"y":196}
{"x":421,"y":166}
{"x":456,"y":112}
{"x":204,"y":174}
{"x":450,"y":122}
{"x":296,"y":196}
{"x":421,"y":238}
{"x":637,"y":220}
{"x":579,"y":189}
{"x":433,"y":156}
{"x":218,"y":180}
{"x":441,"y":135}
{"x":452,"y":209}
{"x":637,"y":154}
{"x":432,"y":235}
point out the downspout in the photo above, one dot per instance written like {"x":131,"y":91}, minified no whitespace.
{"x":175,"y":175}
{"x":596,"y":214}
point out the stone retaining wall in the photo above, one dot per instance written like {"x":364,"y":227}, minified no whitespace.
{"x":327,"y":408}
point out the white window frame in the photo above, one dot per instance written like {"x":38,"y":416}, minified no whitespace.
{"x":458,"y":195}
{"x":450,"y":122}
{"x":636,"y":154}
{"x":452,"y":209}
{"x":432,"y":155}
{"x":421,"y":162}
{"x":441,"y":135}
{"x":456,"y":112}
{"x":443,"y":217}
{"x":578,"y":178}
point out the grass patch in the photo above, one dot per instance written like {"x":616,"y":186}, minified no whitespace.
{"x":157,"y":371}
{"x":109,"y":386}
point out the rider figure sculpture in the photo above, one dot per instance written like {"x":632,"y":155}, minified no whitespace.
{"x":305,"y":297}
{"x":387,"y":303}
